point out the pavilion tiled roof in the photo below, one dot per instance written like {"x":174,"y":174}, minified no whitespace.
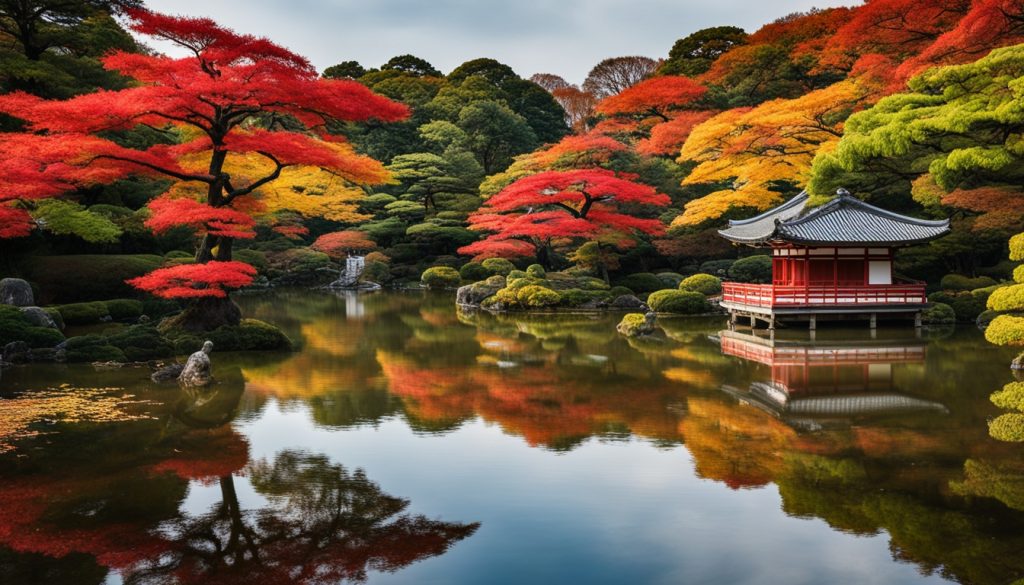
{"x":844,"y":220}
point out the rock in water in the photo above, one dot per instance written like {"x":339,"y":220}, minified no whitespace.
{"x":167,"y":373}
{"x":198,"y":371}
{"x":39,"y":317}
{"x":472,"y":295}
{"x":17,"y":292}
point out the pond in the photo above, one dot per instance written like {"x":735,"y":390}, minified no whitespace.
{"x":407,"y":443}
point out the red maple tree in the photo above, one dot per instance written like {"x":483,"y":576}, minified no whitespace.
{"x":341,"y":244}
{"x":526,"y":216}
{"x":235,"y":95}
{"x":656,"y":97}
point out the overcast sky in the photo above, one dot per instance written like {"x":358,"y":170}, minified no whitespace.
{"x":566,"y":37}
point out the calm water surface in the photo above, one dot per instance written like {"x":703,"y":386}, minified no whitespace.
{"x":405,"y":443}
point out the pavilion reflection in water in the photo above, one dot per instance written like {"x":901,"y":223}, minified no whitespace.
{"x":825,"y":384}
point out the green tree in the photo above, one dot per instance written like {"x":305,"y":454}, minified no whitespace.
{"x":52,"y":48}
{"x":412,"y":65}
{"x":345,"y":70}
{"x":495,"y":134}
{"x":694,"y":54}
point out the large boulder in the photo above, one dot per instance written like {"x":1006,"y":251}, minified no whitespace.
{"x":637,"y":325}
{"x":472,"y":295}
{"x":628,"y":302}
{"x":198,"y":370}
{"x":39,"y":317}
{"x":17,"y":292}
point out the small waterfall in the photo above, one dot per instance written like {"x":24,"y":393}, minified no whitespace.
{"x":349,"y":276}
{"x":348,"y":279}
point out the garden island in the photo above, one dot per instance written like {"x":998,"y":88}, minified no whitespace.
{"x":747,"y":310}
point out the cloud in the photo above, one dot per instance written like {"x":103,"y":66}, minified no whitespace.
{"x":566,"y":37}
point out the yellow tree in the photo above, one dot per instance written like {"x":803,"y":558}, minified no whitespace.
{"x":756,"y":150}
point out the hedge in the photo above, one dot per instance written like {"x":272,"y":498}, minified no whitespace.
{"x":641,"y":282}
{"x":440,"y":277}
{"x":754,"y":269}
{"x":705,"y":284}
{"x":87,"y":277}
{"x":965,"y":283}
{"x":682,"y":302}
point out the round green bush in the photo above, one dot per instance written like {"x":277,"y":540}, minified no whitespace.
{"x":124,"y":309}
{"x":966,"y":305}
{"x":252,"y":257}
{"x":1011,"y":397}
{"x":633,"y":325}
{"x":500,"y":266}
{"x":938,"y":314}
{"x":681,"y":302}
{"x":641,"y":282}
{"x":705,"y":284}
{"x":670,"y":279}
{"x":535,"y":270}
{"x":965,"y":283}
{"x":716,"y":267}
{"x":535,"y":297}
{"x":473,"y":272}
{"x":378,"y":272}
{"x":753,"y":269}
{"x":618,"y":291}
{"x":84,"y":313}
{"x":1005,"y":330}
{"x":440,"y":277}
{"x":1007,"y":427}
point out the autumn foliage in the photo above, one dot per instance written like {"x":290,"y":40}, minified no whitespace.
{"x":343,"y":243}
{"x":581,"y":203}
{"x":211,"y":279}
{"x":218,"y":104}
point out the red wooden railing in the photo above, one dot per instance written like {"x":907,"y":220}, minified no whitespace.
{"x":768,"y":295}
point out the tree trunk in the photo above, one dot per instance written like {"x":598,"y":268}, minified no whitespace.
{"x":205,"y":314}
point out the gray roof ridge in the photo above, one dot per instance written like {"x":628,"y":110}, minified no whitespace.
{"x":842,"y":199}
{"x":796,"y":199}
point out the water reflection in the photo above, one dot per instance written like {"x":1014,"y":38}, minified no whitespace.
{"x":814,"y":385}
{"x":262,"y":478}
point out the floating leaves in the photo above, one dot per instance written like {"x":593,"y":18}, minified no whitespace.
{"x":27,"y":414}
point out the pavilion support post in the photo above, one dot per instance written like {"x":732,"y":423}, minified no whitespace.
{"x":917,"y":320}
{"x":753,"y":322}
{"x":874,"y":321}
{"x":813,"y":323}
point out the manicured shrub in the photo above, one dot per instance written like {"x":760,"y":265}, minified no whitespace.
{"x":535,"y":270}
{"x":634,"y":325}
{"x":966,"y":305}
{"x":965,"y":283}
{"x":618,"y":291}
{"x":985,"y":318}
{"x":72,"y":279}
{"x":682,"y":302}
{"x":473,"y":272}
{"x":670,"y":279}
{"x":84,"y":313}
{"x":753,"y":269}
{"x":1006,"y":330}
{"x":716,"y":267}
{"x":253,"y":257}
{"x":124,"y":309}
{"x":249,"y":335}
{"x":705,"y":284}
{"x":378,"y":272}
{"x":297,"y":263}
{"x":440,"y":277}
{"x":1002,"y":271}
{"x":179,"y":255}
{"x":500,"y":266}
{"x":1007,"y":298}
{"x":14,"y":326}
{"x":141,"y":343}
{"x":1007,"y":427}
{"x":938,"y":314}
{"x":1011,"y":397}
{"x":536,"y":297}
{"x":641,"y":282}
{"x":54,"y":314}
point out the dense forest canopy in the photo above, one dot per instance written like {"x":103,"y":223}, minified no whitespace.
{"x":431,"y":166}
